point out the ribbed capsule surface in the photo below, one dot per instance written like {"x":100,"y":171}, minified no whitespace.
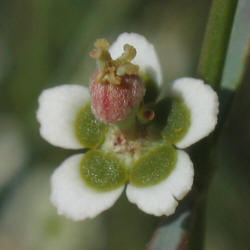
{"x":113,"y":103}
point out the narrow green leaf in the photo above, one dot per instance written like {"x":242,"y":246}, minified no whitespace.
{"x":172,"y":235}
{"x":236,"y":58}
{"x":238,"y":47}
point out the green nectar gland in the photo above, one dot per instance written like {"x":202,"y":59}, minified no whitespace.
{"x":154,"y":166}
{"x":178,"y":121}
{"x":102,"y":171}
{"x":88,"y":130}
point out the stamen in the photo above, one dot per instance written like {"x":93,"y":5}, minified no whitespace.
{"x":149,"y":114}
{"x":145,"y":115}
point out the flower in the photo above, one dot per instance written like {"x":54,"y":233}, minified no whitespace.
{"x":136,"y":142}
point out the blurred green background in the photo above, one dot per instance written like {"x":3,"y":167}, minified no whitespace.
{"x":44,"y":43}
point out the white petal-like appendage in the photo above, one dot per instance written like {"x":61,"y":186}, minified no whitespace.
{"x":73,"y":198}
{"x":57,"y":111}
{"x":203,"y":104}
{"x":161,"y":199}
{"x":156,"y":200}
{"x":146,"y":57}
{"x":180,"y":181}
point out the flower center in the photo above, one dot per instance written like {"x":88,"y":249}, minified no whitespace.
{"x":126,"y":147}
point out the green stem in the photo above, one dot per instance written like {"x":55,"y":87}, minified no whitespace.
{"x":203,"y":156}
{"x":216,"y":41}
{"x":210,"y":69}
{"x":196,"y":235}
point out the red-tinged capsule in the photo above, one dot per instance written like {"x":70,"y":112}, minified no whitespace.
{"x":113,"y":103}
{"x":116,"y":89}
